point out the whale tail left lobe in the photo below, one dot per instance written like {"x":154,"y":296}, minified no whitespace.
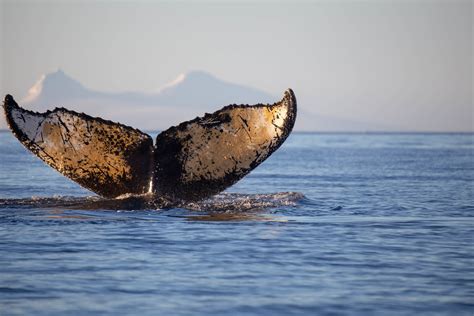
{"x":107,"y":158}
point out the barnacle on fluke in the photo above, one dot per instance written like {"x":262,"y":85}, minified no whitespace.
{"x":188,"y":162}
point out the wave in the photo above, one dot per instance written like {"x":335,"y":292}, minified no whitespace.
{"x":224,"y":202}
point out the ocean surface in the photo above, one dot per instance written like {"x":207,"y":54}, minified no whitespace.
{"x":331,"y":224}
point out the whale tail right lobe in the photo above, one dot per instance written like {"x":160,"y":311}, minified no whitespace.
{"x":204,"y":156}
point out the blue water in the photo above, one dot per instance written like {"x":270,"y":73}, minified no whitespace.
{"x":330,"y":224}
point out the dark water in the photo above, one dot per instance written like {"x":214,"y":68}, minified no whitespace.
{"x":330,"y":224}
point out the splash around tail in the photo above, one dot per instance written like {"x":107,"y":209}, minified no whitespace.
{"x":232,"y":203}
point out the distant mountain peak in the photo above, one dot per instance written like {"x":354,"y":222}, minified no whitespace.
{"x":198,"y":75}
{"x":59,"y":77}
{"x":198,"y":88}
{"x":59,"y":72}
{"x":191,"y":77}
{"x":175,"y":82}
{"x":57,"y":84}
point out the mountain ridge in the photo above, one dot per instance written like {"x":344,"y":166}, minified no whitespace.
{"x":196,"y":88}
{"x":191,"y":94}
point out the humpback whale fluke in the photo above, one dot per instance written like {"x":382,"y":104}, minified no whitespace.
{"x":191,"y":161}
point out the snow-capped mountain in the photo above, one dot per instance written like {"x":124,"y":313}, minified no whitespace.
{"x":189,"y":95}
{"x":54,"y":88}
{"x":201,"y":89}
{"x":193,"y":89}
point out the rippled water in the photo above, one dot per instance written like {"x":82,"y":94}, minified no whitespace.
{"x":330,"y":224}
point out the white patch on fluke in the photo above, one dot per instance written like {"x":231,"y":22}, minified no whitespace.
{"x":27,"y":123}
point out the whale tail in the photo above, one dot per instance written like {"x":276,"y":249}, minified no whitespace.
{"x":190,"y":161}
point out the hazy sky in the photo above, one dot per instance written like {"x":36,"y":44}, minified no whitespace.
{"x":405,"y":65}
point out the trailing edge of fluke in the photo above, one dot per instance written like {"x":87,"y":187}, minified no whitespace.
{"x":188,"y":162}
